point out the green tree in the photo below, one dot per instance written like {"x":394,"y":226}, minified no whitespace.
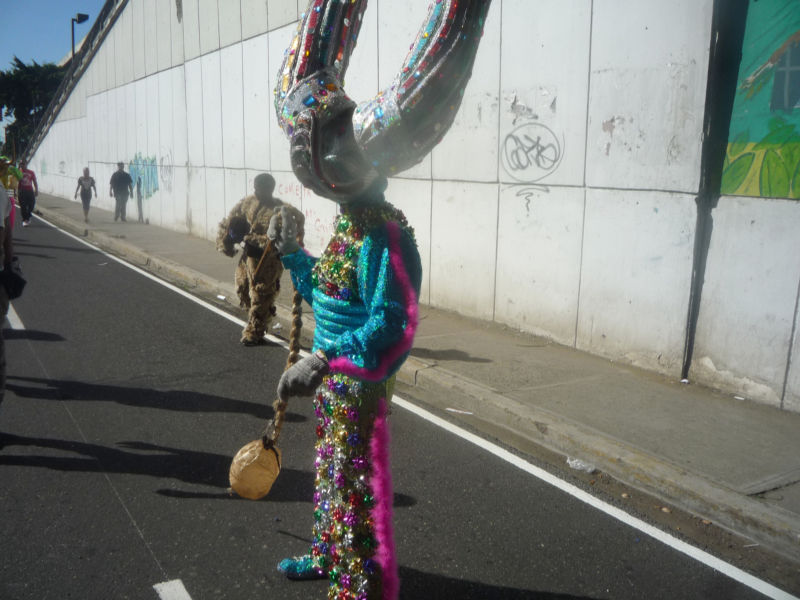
{"x":25,"y":92}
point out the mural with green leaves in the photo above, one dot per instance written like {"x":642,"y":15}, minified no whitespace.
{"x":768,"y":168}
{"x":763,"y":155}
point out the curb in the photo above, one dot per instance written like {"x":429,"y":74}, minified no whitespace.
{"x":770,"y":526}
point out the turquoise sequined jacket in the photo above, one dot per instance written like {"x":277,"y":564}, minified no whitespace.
{"x":364,"y":291}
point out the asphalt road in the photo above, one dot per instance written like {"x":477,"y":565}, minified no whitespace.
{"x":125,"y":402}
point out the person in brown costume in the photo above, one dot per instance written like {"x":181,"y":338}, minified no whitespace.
{"x":257,"y":281}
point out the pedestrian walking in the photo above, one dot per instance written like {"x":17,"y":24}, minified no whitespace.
{"x":85,"y":186}
{"x":27,"y":191}
{"x":258,"y":273}
{"x":120,"y":188}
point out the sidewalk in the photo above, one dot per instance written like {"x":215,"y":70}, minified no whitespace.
{"x":730,"y":461}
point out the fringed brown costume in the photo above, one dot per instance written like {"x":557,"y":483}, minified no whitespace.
{"x":257,"y":281}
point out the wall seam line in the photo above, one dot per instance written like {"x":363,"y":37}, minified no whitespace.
{"x":585,"y":186}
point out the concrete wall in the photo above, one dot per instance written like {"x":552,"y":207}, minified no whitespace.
{"x":560,"y":203}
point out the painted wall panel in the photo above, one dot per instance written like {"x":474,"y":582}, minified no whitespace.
{"x":230,"y":22}
{"x":101,"y":76}
{"x":257,"y":101}
{"x":191,"y":29}
{"x":123,"y":48}
{"x":179,"y":199}
{"x":212,"y":110}
{"x":413,"y":197}
{"x":469,"y":150}
{"x":287,"y":188}
{"x":196,"y":201}
{"x":91,"y":127}
{"x":150,"y":37}
{"x":166,"y":158}
{"x":320,"y":213}
{"x":179,"y":112}
{"x":539,"y":260}
{"x":396,"y":33}
{"x":543,"y":100}
{"x":637,"y":264}
{"x":236,"y":188}
{"x":111,"y":64}
{"x":646,"y":108}
{"x":791,"y":399}
{"x":176,"y":36}
{"x":129,"y":91}
{"x":282,"y":12}
{"x":162,"y":17}
{"x":254,"y":18}
{"x":232,"y":102}
{"x":209,"y":26}
{"x":215,"y":200}
{"x":464,"y":249}
{"x":278,"y":144}
{"x":140,"y":93}
{"x":194,"y":113}
{"x":362,"y":74}
{"x":117,"y":126}
{"x":152,"y":104}
{"x":138,"y":31}
{"x":102,"y":139}
{"x":749,"y":297}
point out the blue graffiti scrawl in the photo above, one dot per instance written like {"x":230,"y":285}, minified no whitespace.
{"x":145,"y":167}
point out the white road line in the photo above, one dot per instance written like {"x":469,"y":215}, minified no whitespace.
{"x":172,"y":590}
{"x":13,"y":319}
{"x":665,"y":538}
{"x":166,"y":284}
{"x":699,"y":555}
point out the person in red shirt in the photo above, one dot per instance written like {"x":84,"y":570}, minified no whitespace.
{"x":27,"y":191}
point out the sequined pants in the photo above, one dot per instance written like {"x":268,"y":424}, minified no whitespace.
{"x":352,"y":522}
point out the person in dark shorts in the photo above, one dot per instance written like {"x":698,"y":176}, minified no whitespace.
{"x":121,"y":188}
{"x":85,"y":186}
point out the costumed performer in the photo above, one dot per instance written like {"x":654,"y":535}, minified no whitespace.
{"x":365,"y":286}
{"x":257,"y":281}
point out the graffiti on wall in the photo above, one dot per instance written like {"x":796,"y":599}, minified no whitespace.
{"x":763,"y":154}
{"x":146,"y":168}
{"x":165,"y":170}
{"x":531,"y":152}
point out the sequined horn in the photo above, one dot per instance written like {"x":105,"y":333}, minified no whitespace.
{"x":401,"y":125}
{"x":344,"y":152}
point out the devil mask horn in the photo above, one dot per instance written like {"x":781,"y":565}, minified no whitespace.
{"x":344,"y":151}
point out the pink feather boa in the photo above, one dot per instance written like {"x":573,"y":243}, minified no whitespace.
{"x":384,"y":496}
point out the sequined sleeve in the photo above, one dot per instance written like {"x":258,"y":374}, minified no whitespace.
{"x":389,"y":279}
{"x":300,"y":264}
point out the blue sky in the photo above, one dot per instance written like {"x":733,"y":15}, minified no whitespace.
{"x":40,"y":29}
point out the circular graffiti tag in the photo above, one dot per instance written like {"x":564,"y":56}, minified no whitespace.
{"x":531,"y":152}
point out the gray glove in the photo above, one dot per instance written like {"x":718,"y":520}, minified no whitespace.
{"x":303,"y":377}
{"x":283,"y":232}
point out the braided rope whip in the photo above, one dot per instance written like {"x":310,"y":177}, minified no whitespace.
{"x":273,"y":429}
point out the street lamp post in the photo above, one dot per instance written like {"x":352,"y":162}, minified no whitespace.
{"x":79,"y":18}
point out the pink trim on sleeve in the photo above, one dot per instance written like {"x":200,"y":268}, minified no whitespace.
{"x":342,"y":364}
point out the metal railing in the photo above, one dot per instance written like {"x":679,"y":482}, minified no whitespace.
{"x":77,"y":67}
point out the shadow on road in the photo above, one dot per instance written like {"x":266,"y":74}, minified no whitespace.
{"x":177,"y":400}
{"x":140,"y":458}
{"x":31,"y":334}
{"x":449,"y":354}
{"x":427,"y":586}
